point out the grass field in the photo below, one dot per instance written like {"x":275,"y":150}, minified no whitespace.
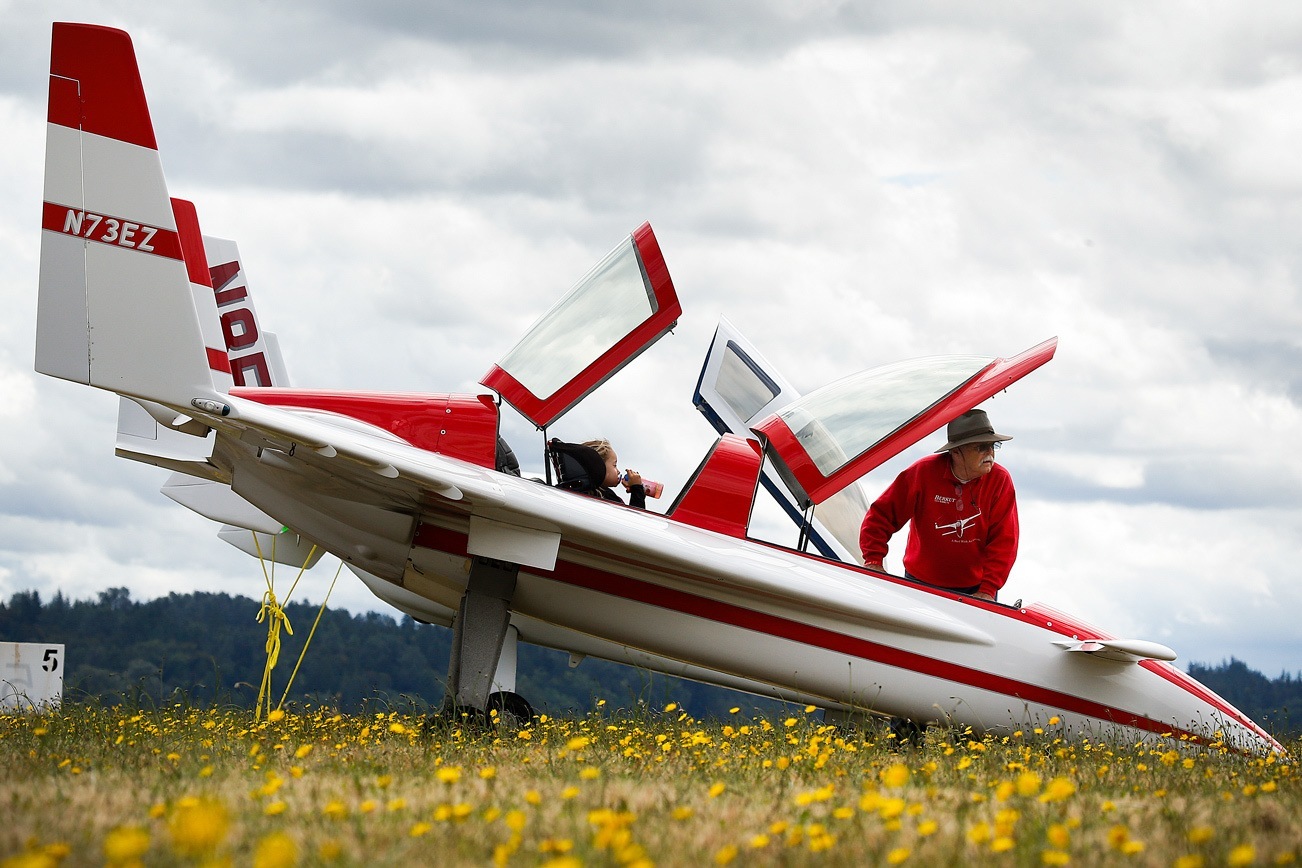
{"x":180,"y":785}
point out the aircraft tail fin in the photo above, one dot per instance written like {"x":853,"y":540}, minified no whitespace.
{"x":118,"y":254}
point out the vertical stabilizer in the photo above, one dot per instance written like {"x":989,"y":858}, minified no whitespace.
{"x":116,"y":309}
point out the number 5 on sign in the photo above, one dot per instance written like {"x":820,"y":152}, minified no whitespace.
{"x":31,"y":675}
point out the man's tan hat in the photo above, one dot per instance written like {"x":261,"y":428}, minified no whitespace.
{"x":972,"y":427}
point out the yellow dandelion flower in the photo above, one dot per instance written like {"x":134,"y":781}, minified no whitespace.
{"x":569,"y":792}
{"x":275,"y":716}
{"x":274,"y":809}
{"x":717,"y":789}
{"x":579,"y":742}
{"x":810,"y":709}
{"x":368,"y":806}
{"x":979,"y":833}
{"x":448,"y":774}
{"x":725,"y":855}
{"x":1132,"y":848}
{"x":157,"y":810}
{"x":1028,"y":784}
{"x":682,"y":812}
{"x":303,"y":751}
{"x":515,"y":820}
{"x":1057,"y":790}
{"x":1244,"y":854}
{"x":198,"y":826}
{"x":844,"y":812}
{"x":896,"y":776}
{"x":789,"y":722}
{"x":1054,"y":857}
{"x":330,"y":851}
{"x":759,"y":842}
{"x":1201,"y":834}
{"x":1002,"y":844}
{"x":673,"y":706}
{"x":898,"y":855}
{"x":276,"y":850}
{"x":1054,"y":721}
{"x":126,"y":844}
{"x":1192,"y":860}
{"x":591,"y":773}
{"x":1005,"y":790}
{"x":734,"y":709}
{"x":419,"y":829}
{"x":1059,"y":836}
{"x":533,"y":797}
{"x":927,"y":828}
{"x":206,"y":772}
{"x":335,"y":810}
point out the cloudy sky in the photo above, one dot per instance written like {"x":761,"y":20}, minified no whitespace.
{"x":851,"y":184}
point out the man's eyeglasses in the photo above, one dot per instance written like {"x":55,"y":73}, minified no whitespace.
{"x":984,"y":447}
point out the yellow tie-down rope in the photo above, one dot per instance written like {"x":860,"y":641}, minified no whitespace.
{"x":274,"y":614}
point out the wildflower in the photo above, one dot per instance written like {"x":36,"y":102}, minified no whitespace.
{"x":1057,"y":790}
{"x":673,"y":706}
{"x":1189,"y":861}
{"x":1244,"y":854}
{"x":275,"y":716}
{"x":1059,"y":836}
{"x":1028,"y":784}
{"x":898,"y":855}
{"x":198,"y":826}
{"x":683,"y":813}
{"x":578,"y":743}
{"x":303,"y":751}
{"x":533,"y":797}
{"x":927,"y":828}
{"x":896,"y":776}
{"x":1201,"y":834}
{"x":569,"y":792}
{"x":1002,"y":844}
{"x":1117,"y":836}
{"x":759,"y":842}
{"x":125,"y":844}
{"x":717,"y":789}
{"x":274,"y":809}
{"x":789,"y":722}
{"x":979,"y":834}
{"x":1054,"y":857}
{"x":335,"y":810}
{"x":276,"y":850}
{"x":448,"y":774}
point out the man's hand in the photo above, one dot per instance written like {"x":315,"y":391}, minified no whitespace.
{"x":982,"y":595}
{"x":875,"y":565}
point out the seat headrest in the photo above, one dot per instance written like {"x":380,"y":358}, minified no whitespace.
{"x":580,"y":468}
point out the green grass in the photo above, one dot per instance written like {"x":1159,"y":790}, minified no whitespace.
{"x":180,"y":785}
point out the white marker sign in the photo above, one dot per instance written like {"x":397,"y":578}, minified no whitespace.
{"x":31,"y":675}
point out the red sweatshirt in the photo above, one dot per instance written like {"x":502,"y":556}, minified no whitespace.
{"x":963,"y":534}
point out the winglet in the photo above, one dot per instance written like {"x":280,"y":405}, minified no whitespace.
{"x":1120,"y":650}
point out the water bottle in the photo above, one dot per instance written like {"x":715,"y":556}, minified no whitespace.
{"x":650,"y":486}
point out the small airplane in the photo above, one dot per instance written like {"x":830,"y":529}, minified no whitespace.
{"x":419,"y":495}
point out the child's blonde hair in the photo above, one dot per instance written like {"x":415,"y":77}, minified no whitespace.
{"x":602,"y":446}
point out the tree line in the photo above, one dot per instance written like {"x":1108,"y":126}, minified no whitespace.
{"x":209,"y":648}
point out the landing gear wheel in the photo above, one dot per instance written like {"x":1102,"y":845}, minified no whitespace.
{"x":907,"y":733}
{"x":513,"y":710}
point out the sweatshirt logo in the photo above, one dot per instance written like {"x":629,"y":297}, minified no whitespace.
{"x":959,"y":527}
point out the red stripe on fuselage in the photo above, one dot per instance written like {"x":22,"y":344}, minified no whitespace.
{"x":651,"y":594}
{"x":111,"y":230}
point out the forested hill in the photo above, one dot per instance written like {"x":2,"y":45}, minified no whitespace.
{"x":210,"y":648}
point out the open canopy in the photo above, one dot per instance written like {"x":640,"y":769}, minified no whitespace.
{"x":826,"y":440}
{"x":621,"y":307}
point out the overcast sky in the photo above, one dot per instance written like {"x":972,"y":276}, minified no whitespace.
{"x":411,"y":185}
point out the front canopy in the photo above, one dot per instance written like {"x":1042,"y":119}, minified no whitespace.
{"x":824,"y":441}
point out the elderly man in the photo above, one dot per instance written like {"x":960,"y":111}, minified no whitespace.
{"x":964,"y":513}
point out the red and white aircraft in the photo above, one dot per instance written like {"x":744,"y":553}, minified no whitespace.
{"x":410,"y":491}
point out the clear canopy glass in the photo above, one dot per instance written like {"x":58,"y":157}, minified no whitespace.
{"x":843,"y":420}
{"x":608,"y":303}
